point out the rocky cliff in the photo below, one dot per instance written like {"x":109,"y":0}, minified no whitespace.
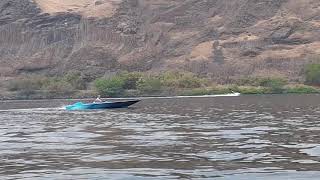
{"x":218,"y":38}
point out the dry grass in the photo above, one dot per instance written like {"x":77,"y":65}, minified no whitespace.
{"x":293,"y":53}
{"x":240,"y":38}
{"x":202,"y":51}
{"x":87,"y":8}
{"x":182,"y":35}
{"x":304,"y":9}
{"x":216,"y":20}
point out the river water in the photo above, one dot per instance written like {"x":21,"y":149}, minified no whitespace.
{"x":246,"y":137}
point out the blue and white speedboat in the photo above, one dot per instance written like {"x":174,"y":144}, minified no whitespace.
{"x":101,"y":105}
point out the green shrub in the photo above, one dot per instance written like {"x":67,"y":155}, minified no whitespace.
{"x":270,"y":84}
{"x":112,"y":87}
{"x":58,"y":86}
{"x":41,"y":86}
{"x":131,"y":79}
{"x":312,"y":74}
{"x":170,"y":78}
{"x":149,"y":85}
{"x":302,"y":89}
{"x":29,"y":83}
{"x":261,"y":81}
{"x":75,"y":80}
{"x":181,"y":80}
{"x":195,"y":92}
{"x":220,"y":90}
{"x":253,"y":90}
{"x":250,"y":81}
{"x":276,"y":85}
{"x":189,"y":81}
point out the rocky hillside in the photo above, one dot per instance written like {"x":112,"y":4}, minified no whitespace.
{"x":219,"y":38}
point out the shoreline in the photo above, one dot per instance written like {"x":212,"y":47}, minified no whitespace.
{"x":3,"y":99}
{"x":136,"y":85}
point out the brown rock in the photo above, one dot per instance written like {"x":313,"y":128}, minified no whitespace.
{"x":216,"y":37}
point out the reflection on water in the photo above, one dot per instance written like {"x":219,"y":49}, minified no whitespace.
{"x":248,"y":137}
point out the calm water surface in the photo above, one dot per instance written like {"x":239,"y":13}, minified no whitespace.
{"x":246,"y":137}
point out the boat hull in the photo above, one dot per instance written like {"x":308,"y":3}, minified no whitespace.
{"x":103,"y":105}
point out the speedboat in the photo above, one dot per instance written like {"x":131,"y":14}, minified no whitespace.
{"x":101,"y":105}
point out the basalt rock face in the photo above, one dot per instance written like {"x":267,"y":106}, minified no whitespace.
{"x":218,"y":38}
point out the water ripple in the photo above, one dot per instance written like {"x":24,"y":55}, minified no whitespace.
{"x":254,"y":137}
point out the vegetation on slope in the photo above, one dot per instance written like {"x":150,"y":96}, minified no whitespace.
{"x":132,"y":84}
{"x":313,"y":74}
